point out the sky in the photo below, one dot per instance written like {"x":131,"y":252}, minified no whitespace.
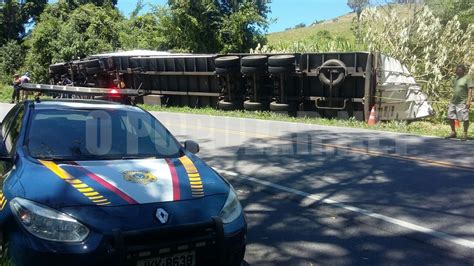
{"x":287,"y":13}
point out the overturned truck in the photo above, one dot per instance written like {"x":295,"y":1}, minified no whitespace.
{"x":331,"y":85}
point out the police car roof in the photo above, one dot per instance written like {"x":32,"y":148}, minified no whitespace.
{"x":80,"y":104}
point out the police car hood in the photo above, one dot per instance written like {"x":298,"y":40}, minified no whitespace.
{"x":122,"y":182}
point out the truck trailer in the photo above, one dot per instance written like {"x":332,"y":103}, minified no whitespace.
{"x":329,"y":85}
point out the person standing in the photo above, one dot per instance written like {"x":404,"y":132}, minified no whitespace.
{"x":461,"y":101}
{"x":25,"y":79}
{"x":16,"y":89}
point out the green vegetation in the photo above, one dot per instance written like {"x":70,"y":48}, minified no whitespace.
{"x":342,"y":27}
{"x":6,"y":93}
{"x":66,"y":30}
{"x":447,"y":9}
{"x":430,"y":43}
{"x":338,"y":27}
{"x":430,"y":49}
{"x":426,"y":128}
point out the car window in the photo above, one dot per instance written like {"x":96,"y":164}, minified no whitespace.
{"x":7,"y":120}
{"x":14,"y":131}
{"x":97,"y":135}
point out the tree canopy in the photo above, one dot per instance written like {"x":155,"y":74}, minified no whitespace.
{"x":213,"y":25}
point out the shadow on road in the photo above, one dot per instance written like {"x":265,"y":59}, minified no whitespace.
{"x":289,"y":233}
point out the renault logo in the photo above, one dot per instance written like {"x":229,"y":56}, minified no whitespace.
{"x":162,"y":215}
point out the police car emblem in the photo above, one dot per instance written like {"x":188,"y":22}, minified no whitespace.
{"x":139,"y":177}
{"x":162,"y":215}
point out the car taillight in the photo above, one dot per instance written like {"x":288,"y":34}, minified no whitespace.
{"x":114,"y":91}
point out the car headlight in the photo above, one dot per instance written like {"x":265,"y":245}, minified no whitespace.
{"x":232,"y":208}
{"x":46,"y":223}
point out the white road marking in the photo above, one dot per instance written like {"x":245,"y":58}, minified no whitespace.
{"x":408,"y":225}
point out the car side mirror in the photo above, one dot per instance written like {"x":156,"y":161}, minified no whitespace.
{"x":191,"y":146}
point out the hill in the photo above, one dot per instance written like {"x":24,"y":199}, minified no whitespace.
{"x":337,"y":27}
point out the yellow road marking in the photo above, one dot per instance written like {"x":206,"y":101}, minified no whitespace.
{"x":350,"y":149}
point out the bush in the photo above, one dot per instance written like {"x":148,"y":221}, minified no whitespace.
{"x":11,"y":59}
{"x":430,"y":49}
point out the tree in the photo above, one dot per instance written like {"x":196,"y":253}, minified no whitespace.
{"x":15,"y":14}
{"x":141,"y":32}
{"x":73,"y":4}
{"x":243,"y":27}
{"x":357,"y":6}
{"x":428,"y":48}
{"x":300,"y":25}
{"x":210,"y":26}
{"x":447,"y":9}
{"x":11,"y":59}
{"x":62,"y":35}
{"x":190,"y":26}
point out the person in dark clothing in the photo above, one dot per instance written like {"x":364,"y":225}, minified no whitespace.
{"x":16,"y":89}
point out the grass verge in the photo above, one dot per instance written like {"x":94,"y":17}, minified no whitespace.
{"x":5,"y":93}
{"x":424,"y":128}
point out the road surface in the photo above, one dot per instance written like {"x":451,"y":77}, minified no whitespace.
{"x":317,"y":195}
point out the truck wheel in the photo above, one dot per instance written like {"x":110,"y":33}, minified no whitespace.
{"x":279,"y":107}
{"x":228,"y":70}
{"x":254,"y":60}
{"x":281,"y":60}
{"x":281,"y":69}
{"x":338,"y":64}
{"x":253,"y":106}
{"x":253,"y":69}
{"x":226,"y":61}
{"x":223,"y":105}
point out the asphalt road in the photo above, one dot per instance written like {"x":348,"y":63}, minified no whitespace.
{"x":317,"y":195}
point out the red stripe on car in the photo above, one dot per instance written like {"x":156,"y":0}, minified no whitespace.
{"x":107,"y":185}
{"x":174,"y":176}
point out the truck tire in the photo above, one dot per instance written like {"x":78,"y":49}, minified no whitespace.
{"x":340,"y":77}
{"x":223,"y":105}
{"x":253,"y":70}
{"x":279,"y":107}
{"x":228,"y":70}
{"x":281,"y":60}
{"x":254,"y":60}
{"x":281,"y":69}
{"x":253,"y":106}
{"x":226,"y":61}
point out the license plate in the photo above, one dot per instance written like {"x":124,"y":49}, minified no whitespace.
{"x":179,"y":259}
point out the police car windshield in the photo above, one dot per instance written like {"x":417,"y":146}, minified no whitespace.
{"x":108,"y":134}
